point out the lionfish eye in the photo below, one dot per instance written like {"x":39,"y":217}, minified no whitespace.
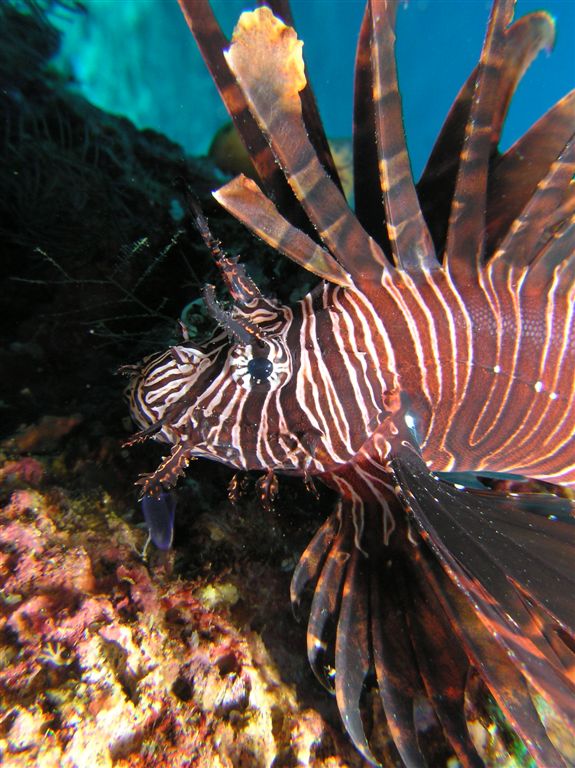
{"x":250,"y":365}
{"x":260,"y":368}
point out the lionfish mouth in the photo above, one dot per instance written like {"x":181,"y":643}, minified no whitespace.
{"x":441,"y":335}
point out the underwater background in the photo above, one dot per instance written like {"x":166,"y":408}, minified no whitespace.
{"x":137,"y":58}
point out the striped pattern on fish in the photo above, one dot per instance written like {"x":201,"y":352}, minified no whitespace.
{"x":516,"y":376}
{"x":440,"y":339}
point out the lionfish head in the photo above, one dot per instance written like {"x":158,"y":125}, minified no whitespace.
{"x":250,"y":397}
{"x":209,"y":399}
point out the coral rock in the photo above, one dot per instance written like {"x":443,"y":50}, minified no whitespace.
{"x":107,"y":662}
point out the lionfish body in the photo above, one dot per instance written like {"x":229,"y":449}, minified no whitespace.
{"x":440,"y":339}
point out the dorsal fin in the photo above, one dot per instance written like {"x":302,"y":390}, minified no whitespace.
{"x":310,"y":111}
{"x":517,"y":173}
{"x":212,"y":42}
{"x":244,"y":199}
{"x":265,"y":57}
{"x":523,"y":41}
{"x":558,"y":255}
{"x":369,"y":207}
{"x":551,"y":204}
{"x":465,"y":247}
{"x":411,"y":243}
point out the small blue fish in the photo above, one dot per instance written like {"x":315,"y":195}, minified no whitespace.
{"x":159,"y":512}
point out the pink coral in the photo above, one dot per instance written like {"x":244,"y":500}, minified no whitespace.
{"x":25,"y":470}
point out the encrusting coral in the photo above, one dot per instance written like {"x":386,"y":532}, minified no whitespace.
{"x":106,"y":661}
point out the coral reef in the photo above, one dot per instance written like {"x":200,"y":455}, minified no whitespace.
{"x":109,"y":660}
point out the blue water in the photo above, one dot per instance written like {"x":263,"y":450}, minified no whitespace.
{"x":137,"y":58}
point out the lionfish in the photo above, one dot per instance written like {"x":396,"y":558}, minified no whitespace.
{"x":439,"y":339}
